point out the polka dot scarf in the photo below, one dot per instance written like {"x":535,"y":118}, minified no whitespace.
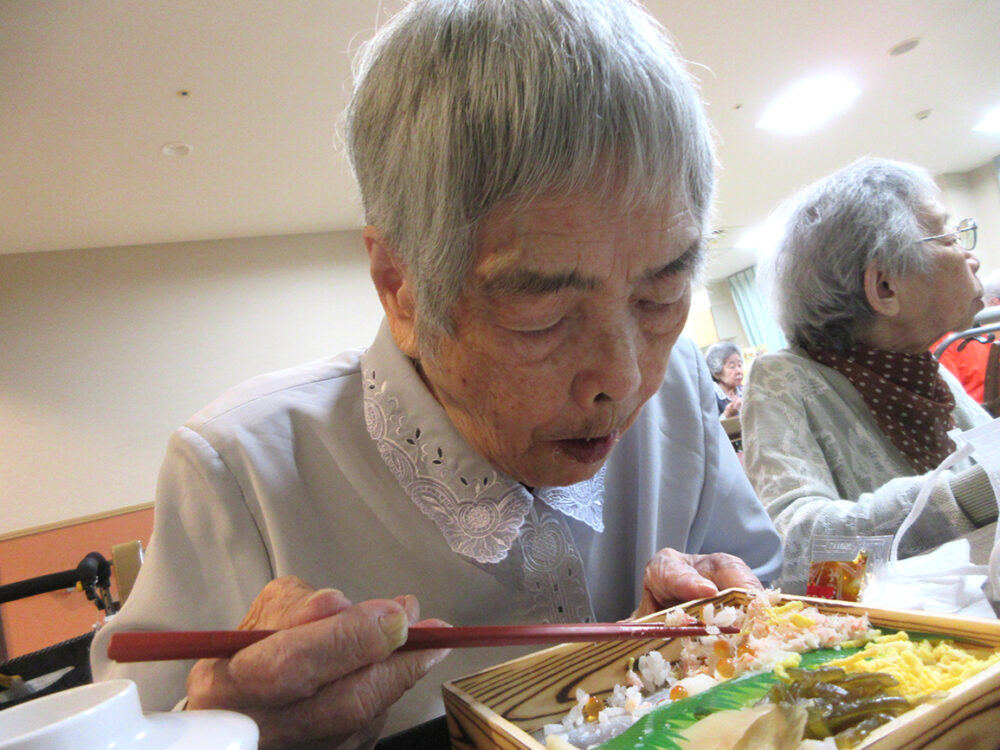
{"x":905,"y":393}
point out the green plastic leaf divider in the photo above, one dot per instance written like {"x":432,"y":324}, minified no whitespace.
{"x":661,"y":728}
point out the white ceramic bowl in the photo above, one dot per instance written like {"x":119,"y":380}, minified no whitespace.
{"x":107,"y":715}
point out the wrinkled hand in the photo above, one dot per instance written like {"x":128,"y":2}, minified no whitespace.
{"x":327,"y":678}
{"x":672,"y":577}
{"x":732,"y":408}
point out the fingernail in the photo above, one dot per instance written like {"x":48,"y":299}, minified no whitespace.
{"x":412,"y":607}
{"x":318,"y":593}
{"x":328,"y":601}
{"x":394,"y":628}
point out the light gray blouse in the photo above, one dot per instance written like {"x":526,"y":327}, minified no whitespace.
{"x":347,"y":473}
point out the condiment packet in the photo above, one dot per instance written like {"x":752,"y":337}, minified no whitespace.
{"x":841,"y":566}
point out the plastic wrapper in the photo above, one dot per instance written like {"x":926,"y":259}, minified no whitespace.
{"x":841,"y":566}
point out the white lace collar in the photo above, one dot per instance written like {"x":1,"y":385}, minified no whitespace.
{"x":479,"y":510}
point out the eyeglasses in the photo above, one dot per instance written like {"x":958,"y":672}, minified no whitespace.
{"x":964,"y":234}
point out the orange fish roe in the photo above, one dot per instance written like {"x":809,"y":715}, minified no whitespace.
{"x":725,"y":668}
{"x":677,"y":692}
{"x":592,"y":709}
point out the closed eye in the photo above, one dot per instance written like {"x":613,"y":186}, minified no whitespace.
{"x":537,"y":330}
{"x":654,"y":306}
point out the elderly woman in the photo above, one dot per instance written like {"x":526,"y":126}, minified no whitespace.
{"x":725,"y":362}
{"x":840,"y":428}
{"x":513,"y":447}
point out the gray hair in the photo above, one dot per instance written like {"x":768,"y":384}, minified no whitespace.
{"x":460,"y":106}
{"x":717,"y":354}
{"x":868,"y":212}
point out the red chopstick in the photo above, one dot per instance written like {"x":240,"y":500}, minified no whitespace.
{"x":213,"y":644}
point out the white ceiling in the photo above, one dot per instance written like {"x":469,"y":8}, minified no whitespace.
{"x":89,"y":95}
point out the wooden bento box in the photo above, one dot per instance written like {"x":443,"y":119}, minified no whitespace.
{"x":502,"y":706}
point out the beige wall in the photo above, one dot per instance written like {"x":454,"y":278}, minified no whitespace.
{"x":104,"y":352}
{"x":727,"y":320}
{"x":977,"y":194}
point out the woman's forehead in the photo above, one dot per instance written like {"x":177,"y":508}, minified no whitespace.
{"x":568,"y":225}
{"x":933,"y":214}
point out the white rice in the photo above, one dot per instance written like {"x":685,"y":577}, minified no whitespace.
{"x":770,"y":635}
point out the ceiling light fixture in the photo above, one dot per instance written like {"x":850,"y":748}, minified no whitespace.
{"x":809,"y":103}
{"x":756,"y":237}
{"x":765,"y":236}
{"x":176,"y":148}
{"x":990,"y":122}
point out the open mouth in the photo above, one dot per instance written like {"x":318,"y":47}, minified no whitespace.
{"x":588,"y":450}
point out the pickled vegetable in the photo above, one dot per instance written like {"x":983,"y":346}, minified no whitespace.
{"x":844,"y":706}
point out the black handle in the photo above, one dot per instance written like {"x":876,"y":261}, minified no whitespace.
{"x":92,"y":571}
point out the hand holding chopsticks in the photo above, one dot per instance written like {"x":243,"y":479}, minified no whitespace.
{"x":205,"y":644}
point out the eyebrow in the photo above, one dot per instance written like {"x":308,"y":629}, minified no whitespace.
{"x":684,"y":263}
{"x":526,"y":281}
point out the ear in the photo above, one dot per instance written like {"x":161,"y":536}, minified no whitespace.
{"x":881,"y":292}
{"x":394,"y":290}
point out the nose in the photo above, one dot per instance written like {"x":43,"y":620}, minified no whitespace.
{"x":973,"y":260}
{"x":609,"y":369}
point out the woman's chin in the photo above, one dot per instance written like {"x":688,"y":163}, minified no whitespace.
{"x":566,"y":462}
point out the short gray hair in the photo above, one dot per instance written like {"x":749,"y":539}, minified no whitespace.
{"x":868,"y":212}
{"x":717,"y":354}
{"x":460,"y":106}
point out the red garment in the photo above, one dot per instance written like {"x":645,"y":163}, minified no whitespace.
{"x":968,"y":365}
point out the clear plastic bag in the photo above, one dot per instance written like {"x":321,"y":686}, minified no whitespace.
{"x":841,"y":567}
{"x":945,"y":580}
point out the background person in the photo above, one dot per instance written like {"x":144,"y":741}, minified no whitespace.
{"x":725,"y":362}
{"x":513,"y":447}
{"x":840,"y":428}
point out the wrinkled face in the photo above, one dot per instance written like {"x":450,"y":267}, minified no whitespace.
{"x":563,"y":332}
{"x":951,"y":294}
{"x":732,"y":371}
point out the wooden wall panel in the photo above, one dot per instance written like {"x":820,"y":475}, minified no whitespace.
{"x":38,"y":621}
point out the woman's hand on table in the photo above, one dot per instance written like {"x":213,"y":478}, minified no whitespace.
{"x":327,"y":678}
{"x":672,"y":577}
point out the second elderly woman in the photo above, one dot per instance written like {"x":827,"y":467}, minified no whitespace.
{"x":725,"y":362}
{"x":840,"y":428}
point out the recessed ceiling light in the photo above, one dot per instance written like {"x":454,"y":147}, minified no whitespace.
{"x":904,"y":46}
{"x":990,"y":122}
{"x":176,"y":149}
{"x":760,"y":236}
{"x":809,"y":103}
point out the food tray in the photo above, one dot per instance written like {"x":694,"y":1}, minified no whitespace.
{"x":502,"y":706}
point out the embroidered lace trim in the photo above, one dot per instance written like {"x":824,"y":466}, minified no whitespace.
{"x":480,"y":512}
{"x":545,"y":564}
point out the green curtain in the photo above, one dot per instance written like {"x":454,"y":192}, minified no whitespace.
{"x":757,"y":322}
